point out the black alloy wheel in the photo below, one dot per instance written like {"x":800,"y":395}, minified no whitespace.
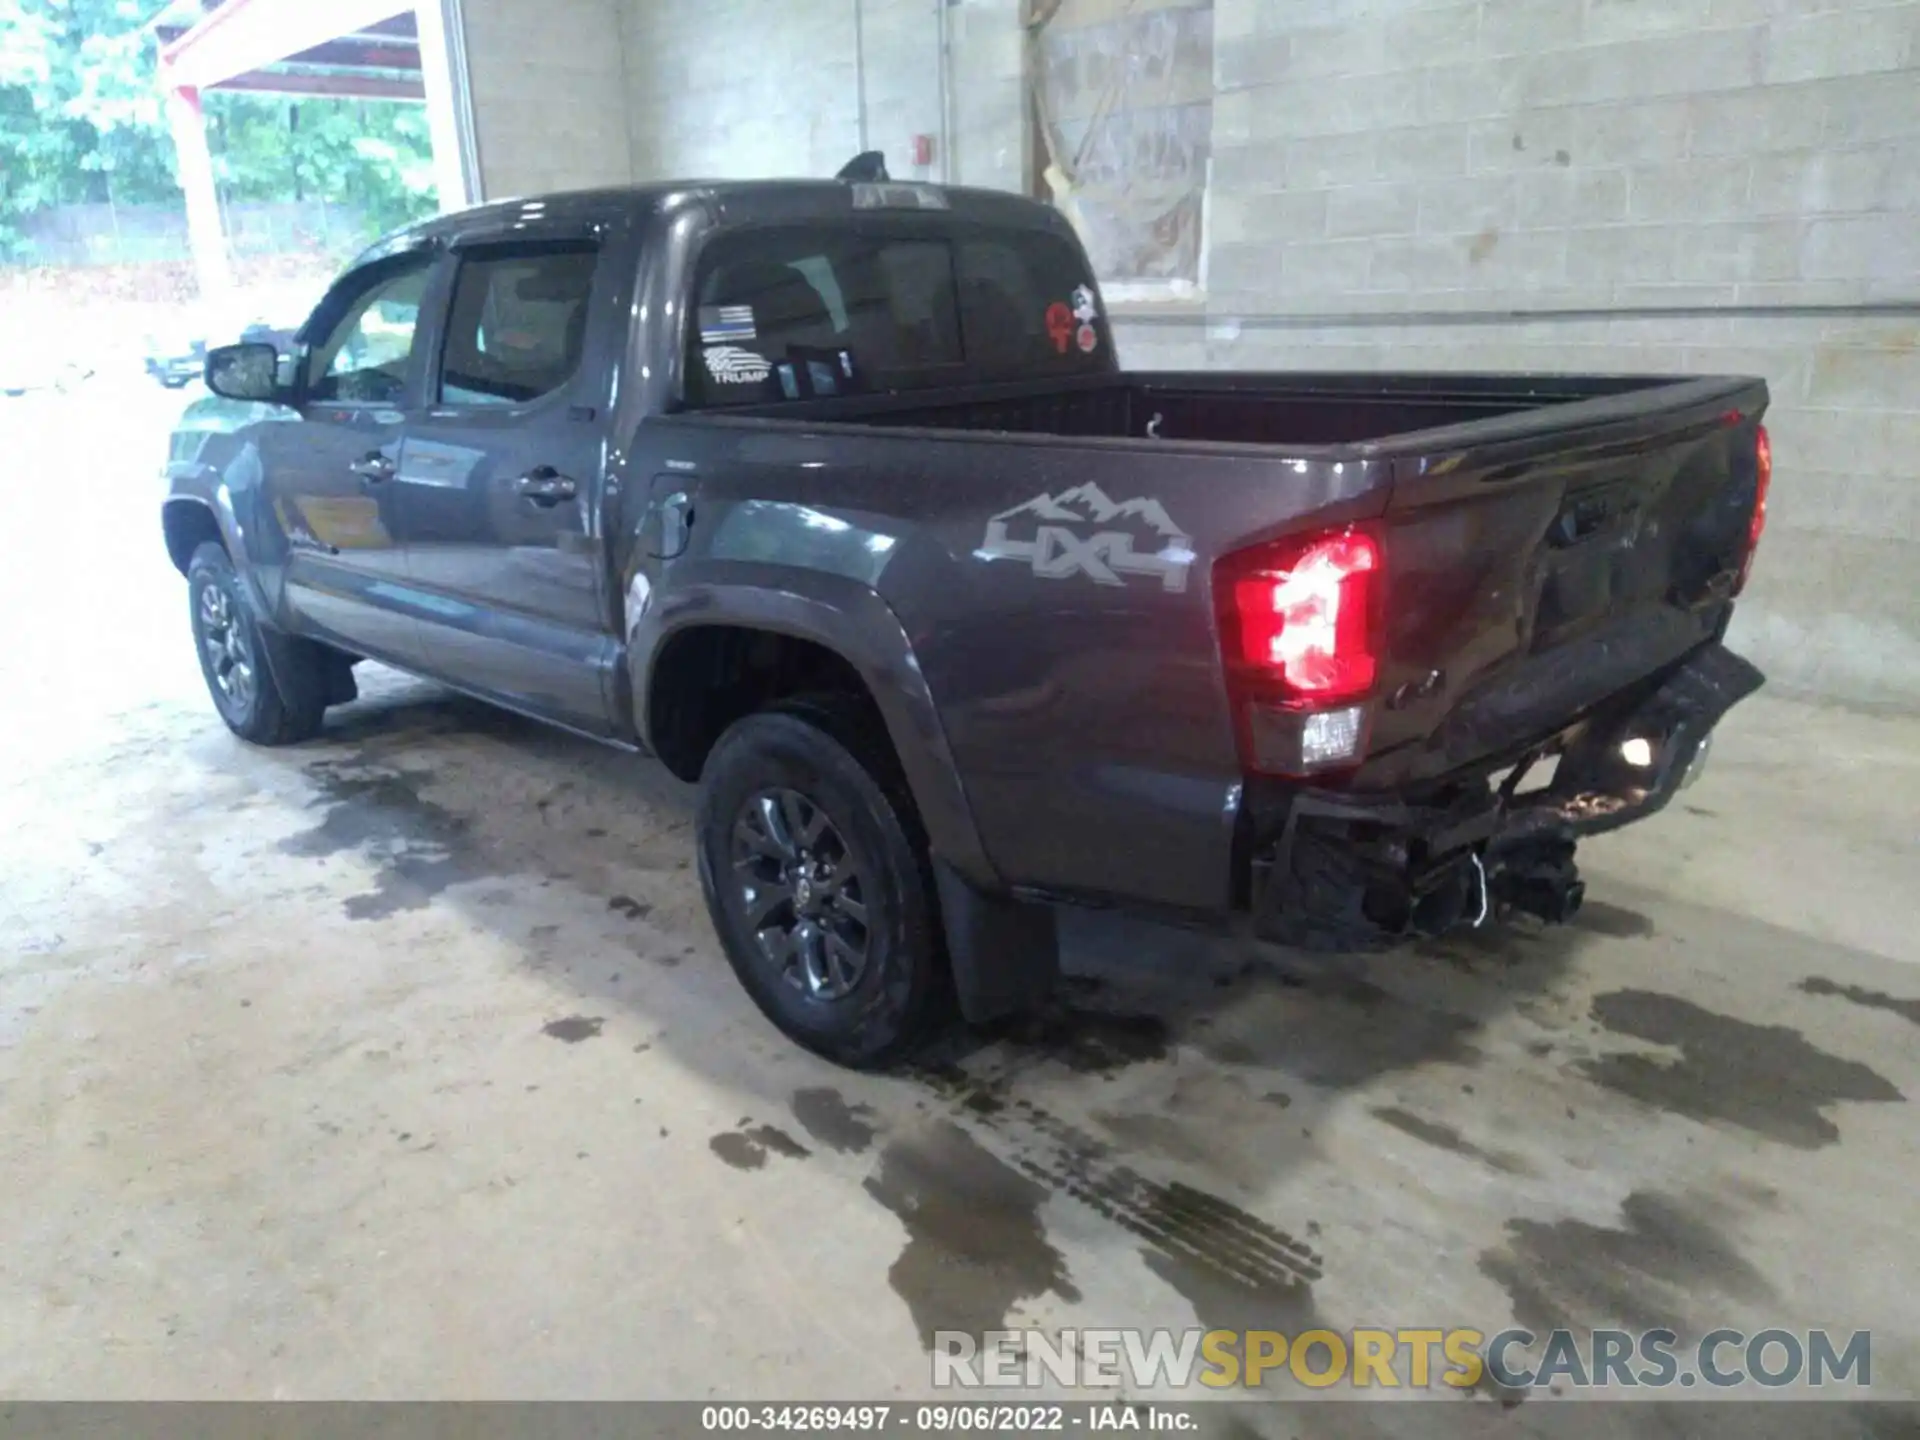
{"x":802,"y":892}
{"x":817,"y":877}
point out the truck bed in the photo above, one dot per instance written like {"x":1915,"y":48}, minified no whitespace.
{"x":1550,"y":546}
{"x":1285,"y":409}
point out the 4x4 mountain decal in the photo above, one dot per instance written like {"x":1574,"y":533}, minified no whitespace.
{"x":1059,"y":546}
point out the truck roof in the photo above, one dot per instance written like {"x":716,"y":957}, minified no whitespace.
{"x":733,"y":201}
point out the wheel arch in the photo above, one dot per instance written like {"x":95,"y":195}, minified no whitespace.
{"x":834,"y":631}
{"x":186,"y":523}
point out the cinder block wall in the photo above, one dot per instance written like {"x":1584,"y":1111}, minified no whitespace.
{"x":550,"y":92}
{"x":1688,"y":185}
{"x":1393,"y":178}
{"x":732,"y":88}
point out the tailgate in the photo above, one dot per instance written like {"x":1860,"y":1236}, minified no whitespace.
{"x":1542,"y":563}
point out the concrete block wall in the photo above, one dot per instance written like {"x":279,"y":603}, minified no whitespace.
{"x":574,"y":93}
{"x":735,"y":88}
{"x":1420,"y":154}
{"x":549,"y":94}
{"x":1684,"y":179}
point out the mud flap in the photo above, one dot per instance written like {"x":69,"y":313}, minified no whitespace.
{"x":1005,"y":953}
{"x":300,"y":666}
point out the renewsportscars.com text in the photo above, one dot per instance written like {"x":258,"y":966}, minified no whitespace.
{"x":1374,"y":1358}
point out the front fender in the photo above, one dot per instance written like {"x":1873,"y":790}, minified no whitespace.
{"x":205,"y":500}
{"x":850,"y":619}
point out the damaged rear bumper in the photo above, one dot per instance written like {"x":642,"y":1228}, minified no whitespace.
{"x":1354,"y":870}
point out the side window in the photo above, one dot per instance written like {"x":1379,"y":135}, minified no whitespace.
{"x":795,"y":312}
{"x":517,"y":324}
{"x":366,"y":353}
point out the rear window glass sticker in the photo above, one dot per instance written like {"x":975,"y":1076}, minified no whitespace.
{"x":730,"y":365}
{"x":720,"y":324}
{"x":1059,"y":325}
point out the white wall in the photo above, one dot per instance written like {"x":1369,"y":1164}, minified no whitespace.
{"x":1410,"y":169}
{"x":550,"y":94}
{"x":738,"y":88}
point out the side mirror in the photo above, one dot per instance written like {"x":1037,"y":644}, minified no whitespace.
{"x":245,"y":372}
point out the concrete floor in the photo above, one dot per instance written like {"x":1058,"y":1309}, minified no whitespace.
{"x":404,"y":1064}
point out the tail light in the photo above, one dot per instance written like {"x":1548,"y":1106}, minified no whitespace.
{"x":1762,"y":479}
{"x":1300,"y":636}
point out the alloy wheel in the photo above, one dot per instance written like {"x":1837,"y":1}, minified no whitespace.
{"x":229,"y":651}
{"x":803,"y":893}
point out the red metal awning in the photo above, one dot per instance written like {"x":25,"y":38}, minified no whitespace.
{"x":355,"y":49}
{"x":364,"y":49}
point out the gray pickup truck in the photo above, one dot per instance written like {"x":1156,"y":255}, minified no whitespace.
{"x":833,"y":496}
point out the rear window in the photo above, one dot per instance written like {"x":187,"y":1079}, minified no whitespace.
{"x":802,"y":312}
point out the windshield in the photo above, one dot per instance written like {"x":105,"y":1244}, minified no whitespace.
{"x":804,"y":311}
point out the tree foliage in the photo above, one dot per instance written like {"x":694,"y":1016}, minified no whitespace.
{"x":81,"y":120}
{"x":371,"y":156}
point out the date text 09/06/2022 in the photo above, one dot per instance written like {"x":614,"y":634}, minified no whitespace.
{"x":948,"y":1419}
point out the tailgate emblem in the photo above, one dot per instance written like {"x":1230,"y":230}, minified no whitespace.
{"x":1059,"y":549}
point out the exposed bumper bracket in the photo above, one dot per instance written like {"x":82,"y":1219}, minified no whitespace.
{"x":1352,"y":870}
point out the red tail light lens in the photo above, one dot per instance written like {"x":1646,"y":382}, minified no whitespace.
{"x":1763,"y":478}
{"x":1299,"y":621}
{"x":1300,"y":634}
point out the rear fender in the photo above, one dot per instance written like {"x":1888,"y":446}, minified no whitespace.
{"x":849,"y":619}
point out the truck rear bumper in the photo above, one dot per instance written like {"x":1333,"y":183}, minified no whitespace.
{"x":1350,"y":870}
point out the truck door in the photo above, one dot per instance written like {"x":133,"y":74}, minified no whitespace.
{"x":499,"y":480}
{"x":328,"y":478}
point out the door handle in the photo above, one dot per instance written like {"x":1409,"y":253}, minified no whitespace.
{"x":545,"y":485}
{"x":676,"y":524}
{"x":373,"y":467}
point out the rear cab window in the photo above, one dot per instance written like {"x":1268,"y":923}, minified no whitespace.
{"x":807,"y":311}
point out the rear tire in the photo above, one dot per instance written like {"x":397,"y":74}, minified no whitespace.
{"x":233,"y":658}
{"x":863,"y":992}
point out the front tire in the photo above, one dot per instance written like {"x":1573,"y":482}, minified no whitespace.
{"x":818,"y":882}
{"x":233,"y":658}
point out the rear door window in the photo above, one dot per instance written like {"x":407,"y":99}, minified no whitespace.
{"x":517,"y":323}
{"x":800,"y":312}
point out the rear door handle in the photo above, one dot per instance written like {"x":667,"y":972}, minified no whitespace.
{"x":545,"y":485}
{"x":676,"y":523}
{"x":373,"y":467}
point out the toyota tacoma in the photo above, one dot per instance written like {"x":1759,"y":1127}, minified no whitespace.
{"x":833,"y":496}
